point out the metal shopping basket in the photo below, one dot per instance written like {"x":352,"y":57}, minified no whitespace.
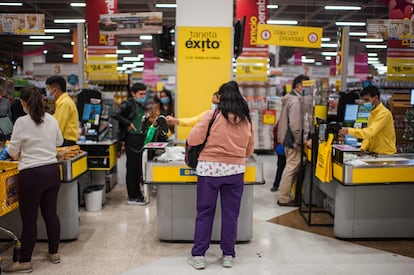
{"x":9,"y":200}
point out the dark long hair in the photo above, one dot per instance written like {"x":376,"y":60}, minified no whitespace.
{"x":33,"y":98}
{"x":170,"y":104}
{"x":231,"y":101}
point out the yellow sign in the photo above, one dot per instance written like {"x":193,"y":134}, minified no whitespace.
{"x":307,"y":83}
{"x":305,"y":37}
{"x":251,"y":69}
{"x":401,"y":69}
{"x":204,"y":63}
{"x":102,"y":63}
{"x":269,"y":117}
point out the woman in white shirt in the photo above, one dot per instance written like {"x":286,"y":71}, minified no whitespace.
{"x":33,"y":143}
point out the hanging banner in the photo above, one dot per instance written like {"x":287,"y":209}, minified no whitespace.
{"x":130,"y":23}
{"x":92,"y":11}
{"x":304,"y":37}
{"x":361,"y":63}
{"x":102,"y":63}
{"x":22,"y":24}
{"x":256,"y":13}
{"x":251,"y":69}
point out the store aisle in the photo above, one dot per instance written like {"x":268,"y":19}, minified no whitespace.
{"x":122,"y":239}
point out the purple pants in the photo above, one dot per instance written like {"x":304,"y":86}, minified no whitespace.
{"x":39,"y":186}
{"x":231,"y":191}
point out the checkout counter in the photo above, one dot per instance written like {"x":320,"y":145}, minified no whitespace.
{"x":176,"y":185}
{"x":67,"y":204}
{"x":370,"y":196}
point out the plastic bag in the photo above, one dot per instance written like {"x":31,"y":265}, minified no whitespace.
{"x":323,"y":169}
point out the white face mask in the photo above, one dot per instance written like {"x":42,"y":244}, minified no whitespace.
{"x":213,"y":106}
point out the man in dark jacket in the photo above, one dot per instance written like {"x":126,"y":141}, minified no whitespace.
{"x":130,"y":118}
{"x":292,"y":116}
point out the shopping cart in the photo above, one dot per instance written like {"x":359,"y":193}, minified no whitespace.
{"x":9,"y":201}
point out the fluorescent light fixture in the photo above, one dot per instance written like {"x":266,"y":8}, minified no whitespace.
{"x":145,"y":37}
{"x":310,"y":60}
{"x":272,"y":6}
{"x":123,"y":51}
{"x":372,"y":54}
{"x":15,"y":4}
{"x":373,"y":62}
{"x":138,"y":64}
{"x":131,"y":43}
{"x":376,"y":46}
{"x":46,"y":37}
{"x":373,"y":58}
{"x":141,"y":56}
{"x":138,"y":69}
{"x":33,"y":43}
{"x":329,"y":45}
{"x":325,"y":39}
{"x":379,"y":40}
{"x":282,"y":22}
{"x":318,"y":63}
{"x":110,"y":56}
{"x":57,"y":30}
{"x":343,"y":8}
{"x":120,"y":68}
{"x":67,"y":55}
{"x":78,"y":5}
{"x":357,"y":34}
{"x":328,"y":57}
{"x":328,"y":53}
{"x":69,"y":21}
{"x":131,"y":58}
{"x":127,"y":66}
{"x":167,"y":6}
{"x":360,"y":24}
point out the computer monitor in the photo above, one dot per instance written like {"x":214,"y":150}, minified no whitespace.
{"x":363,"y":113}
{"x":350,"y":115}
{"x":91,"y":114}
{"x":412,"y":97}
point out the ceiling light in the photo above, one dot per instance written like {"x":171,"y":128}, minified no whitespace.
{"x":110,"y":56}
{"x":372,"y":54}
{"x":16,"y":4}
{"x":328,"y":53}
{"x":44,"y":51}
{"x":310,"y":60}
{"x":318,"y":63}
{"x":138,"y":69}
{"x":343,"y":8}
{"x":328,"y":57}
{"x":272,"y":6}
{"x":373,"y":62}
{"x":131,"y":58}
{"x":127,"y":66}
{"x":380,"y":40}
{"x":48,"y":37}
{"x":78,"y":5}
{"x":282,"y":22}
{"x":376,"y":46}
{"x":357,"y":34}
{"x":57,"y":30}
{"x":120,"y":68}
{"x":361,"y":24}
{"x":168,"y":6}
{"x":138,"y":64}
{"x":325,"y":39}
{"x":69,"y":21}
{"x":123,"y":51}
{"x":127,"y":43}
{"x":373,"y":58}
{"x":33,"y":43}
{"x":67,"y":55}
{"x":145,"y":37}
{"x":329,"y":45}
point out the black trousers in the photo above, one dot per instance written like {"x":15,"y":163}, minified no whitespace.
{"x":133,"y":148}
{"x":281,"y":163}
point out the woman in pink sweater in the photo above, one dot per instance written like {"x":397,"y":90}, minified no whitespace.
{"x":221,"y":168}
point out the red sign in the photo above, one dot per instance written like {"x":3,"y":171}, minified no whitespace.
{"x":361,"y":63}
{"x":92,"y":11}
{"x":256,"y":13}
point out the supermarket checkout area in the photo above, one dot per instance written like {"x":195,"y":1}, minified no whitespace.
{"x":67,"y":205}
{"x":176,"y":186}
{"x":370,"y":196}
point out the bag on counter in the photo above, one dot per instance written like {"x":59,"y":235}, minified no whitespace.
{"x":193,"y":152}
{"x":323,"y":169}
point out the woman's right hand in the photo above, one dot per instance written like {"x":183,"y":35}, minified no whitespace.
{"x":172,"y":120}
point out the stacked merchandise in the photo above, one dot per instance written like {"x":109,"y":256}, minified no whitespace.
{"x":264,"y":110}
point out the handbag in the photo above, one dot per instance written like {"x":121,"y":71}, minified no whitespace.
{"x":289,"y":139}
{"x":193,"y":152}
{"x":323,"y":170}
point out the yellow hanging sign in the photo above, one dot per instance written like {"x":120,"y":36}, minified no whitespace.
{"x":305,"y":37}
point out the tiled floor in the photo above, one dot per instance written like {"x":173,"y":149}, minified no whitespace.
{"x":122,"y":239}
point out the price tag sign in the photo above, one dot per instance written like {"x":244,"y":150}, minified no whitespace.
{"x":269,"y":117}
{"x":400,"y":69}
{"x":251,"y":69}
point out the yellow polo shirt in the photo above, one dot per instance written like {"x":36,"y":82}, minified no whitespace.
{"x":67,"y":117}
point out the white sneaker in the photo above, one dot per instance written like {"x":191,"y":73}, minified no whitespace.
{"x":227,"y":261}
{"x":197,"y":262}
{"x":137,"y":201}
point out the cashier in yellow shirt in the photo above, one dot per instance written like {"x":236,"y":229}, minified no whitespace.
{"x":379,"y":135}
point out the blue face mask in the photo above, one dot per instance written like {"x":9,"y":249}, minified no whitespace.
{"x":140,"y":99}
{"x":368,"y":105}
{"x":164,"y":100}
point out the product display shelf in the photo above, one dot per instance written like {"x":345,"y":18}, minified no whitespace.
{"x":399,"y":106}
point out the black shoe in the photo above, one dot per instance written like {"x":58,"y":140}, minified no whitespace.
{"x":291,"y":203}
{"x":274,"y":189}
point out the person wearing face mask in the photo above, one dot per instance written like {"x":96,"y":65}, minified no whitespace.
{"x":130,"y":116}
{"x":165,"y":107}
{"x":379,"y":135}
{"x":192,"y":121}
